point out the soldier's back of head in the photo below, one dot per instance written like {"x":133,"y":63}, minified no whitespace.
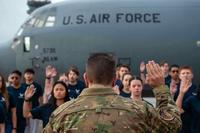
{"x":100,"y":69}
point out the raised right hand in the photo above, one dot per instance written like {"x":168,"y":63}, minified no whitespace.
{"x":29,"y":92}
{"x":185,"y":85}
{"x":155,"y":76}
{"x":142,"y":67}
{"x":51,"y":71}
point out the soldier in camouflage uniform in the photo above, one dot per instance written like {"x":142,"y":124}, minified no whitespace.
{"x":99,"y":110}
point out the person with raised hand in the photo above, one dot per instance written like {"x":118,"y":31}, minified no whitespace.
{"x":184,"y":86}
{"x":191,"y":106}
{"x":33,"y":125}
{"x":186,"y":76}
{"x":142,"y":72}
{"x":50,"y":73}
{"x":100,"y":109}
{"x":59,"y":95}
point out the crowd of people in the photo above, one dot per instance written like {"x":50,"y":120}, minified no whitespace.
{"x":25,"y":106}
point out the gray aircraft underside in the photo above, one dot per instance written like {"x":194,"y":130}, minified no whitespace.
{"x":66,"y":33}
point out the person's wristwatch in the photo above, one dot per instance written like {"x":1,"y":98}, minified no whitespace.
{"x":26,"y":100}
{"x":48,"y":78}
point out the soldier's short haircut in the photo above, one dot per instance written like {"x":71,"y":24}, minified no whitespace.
{"x":17,"y":72}
{"x":100,"y":68}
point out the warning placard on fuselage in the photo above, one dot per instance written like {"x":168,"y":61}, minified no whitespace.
{"x":117,"y":18}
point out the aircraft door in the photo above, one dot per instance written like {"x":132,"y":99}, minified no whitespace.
{"x":28,"y":54}
{"x":33,"y":48}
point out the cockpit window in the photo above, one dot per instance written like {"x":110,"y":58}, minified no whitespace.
{"x":35,"y":21}
{"x":39,"y":23}
{"x":50,"y":21}
{"x":32,"y":21}
{"x":44,"y":18}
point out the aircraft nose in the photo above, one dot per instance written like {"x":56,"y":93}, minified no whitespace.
{"x":16,"y":41}
{"x":7,"y":59}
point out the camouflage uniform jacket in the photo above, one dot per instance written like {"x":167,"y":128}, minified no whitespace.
{"x":100,"y":110}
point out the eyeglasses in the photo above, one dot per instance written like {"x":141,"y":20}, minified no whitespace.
{"x":173,"y":71}
{"x":15,"y":78}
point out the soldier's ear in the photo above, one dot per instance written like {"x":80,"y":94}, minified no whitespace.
{"x":85,"y":79}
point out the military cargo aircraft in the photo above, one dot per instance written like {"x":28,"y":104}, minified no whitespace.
{"x":66,"y":33}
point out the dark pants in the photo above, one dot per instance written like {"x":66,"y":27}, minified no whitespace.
{"x":21,"y":127}
{"x":8,"y":128}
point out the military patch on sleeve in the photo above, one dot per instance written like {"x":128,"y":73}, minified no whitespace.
{"x":165,"y":115}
